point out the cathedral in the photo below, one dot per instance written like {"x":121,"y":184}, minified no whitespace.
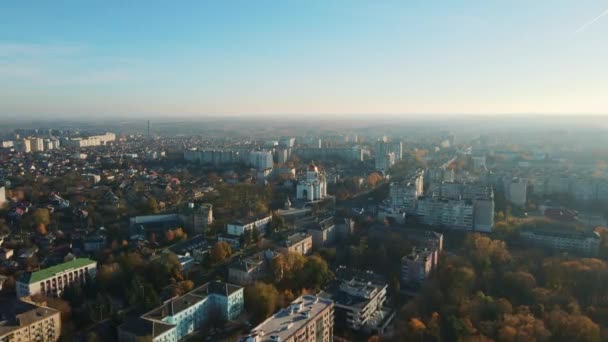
{"x":314,"y":187}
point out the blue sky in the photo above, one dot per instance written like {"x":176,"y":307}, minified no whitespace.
{"x":197,"y":58}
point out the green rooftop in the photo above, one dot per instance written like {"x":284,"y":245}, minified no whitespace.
{"x":49,"y":272}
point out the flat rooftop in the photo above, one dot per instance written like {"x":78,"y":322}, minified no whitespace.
{"x":290,"y":320}
{"x":49,"y":272}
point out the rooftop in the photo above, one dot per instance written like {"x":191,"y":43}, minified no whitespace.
{"x":179,"y":304}
{"x":290,"y":320}
{"x":563,"y":233}
{"x":15,"y":314}
{"x":34,"y":277}
{"x":143,"y":327}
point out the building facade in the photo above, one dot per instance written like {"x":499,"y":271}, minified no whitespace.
{"x":313,"y":187}
{"x":25,"y":322}
{"x":53,"y":280}
{"x":583,"y":242}
{"x":308,"y":319}
{"x":239,"y":227}
{"x":297,"y":243}
{"x":182,"y":316}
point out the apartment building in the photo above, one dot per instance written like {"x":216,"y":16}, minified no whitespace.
{"x":182,"y":316}
{"x":359,"y":298}
{"x":404,"y":195}
{"x":53,"y":280}
{"x":25,"y":322}
{"x":308,"y":319}
{"x":417,"y":266}
{"x":212,"y":156}
{"x":437,"y":211}
{"x":583,"y":242}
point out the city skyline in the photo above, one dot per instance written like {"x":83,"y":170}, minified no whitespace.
{"x":339,"y":58}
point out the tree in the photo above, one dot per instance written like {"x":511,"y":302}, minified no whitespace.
{"x":261,"y":300}
{"x":572,"y":327}
{"x":315,"y":273}
{"x":220,"y":251}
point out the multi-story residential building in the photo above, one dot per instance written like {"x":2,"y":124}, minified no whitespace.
{"x":25,"y":322}
{"x":347,"y":153}
{"x":53,"y":280}
{"x":484,"y":214}
{"x":181,"y":316}
{"x":308,"y":319}
{"x":458,"y":205}
{"x":261,"y":160}
{"x":517,"y":191}
{"x":323,"y":232}
{"x":2,"y":196}
{"x":251,"y":269}
{"x":239,"y":227}
{"x":427,"y":239}
{"x":297,"y":243}
{"x":439,"y":175}
{"x":212,"y":156}
{"x":314,"y":186}
{"x":387,"y":153}
{"x":583,"y":242}
{"x":37,"y":144}
{"x":417,"y":266}
{"x":287,"y":142}
{"x":404,"y":195}
{"x":437,"y":211}
{"x":359,"y":298}
{"x":94,"y":140}
{"x":197,"y":218}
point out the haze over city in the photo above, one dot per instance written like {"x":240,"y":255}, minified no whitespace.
{"x":290,"y":171}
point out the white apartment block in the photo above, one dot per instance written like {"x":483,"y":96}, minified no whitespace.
{"x":308,"y":319}
{"x":94,"y":140}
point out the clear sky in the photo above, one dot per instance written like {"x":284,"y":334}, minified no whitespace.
{"x":224,"y":57}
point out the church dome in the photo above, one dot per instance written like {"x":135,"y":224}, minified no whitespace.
{"x":313,"y":167}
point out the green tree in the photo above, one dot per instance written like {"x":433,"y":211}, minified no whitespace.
{"x":261,"y":300}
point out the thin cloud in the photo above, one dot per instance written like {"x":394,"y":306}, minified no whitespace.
{"x":589,"y":23}
{"x":11,"y":49}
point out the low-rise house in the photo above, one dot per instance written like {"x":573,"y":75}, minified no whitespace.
{"x":240,"y":227}
{"x":323,"y":232}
